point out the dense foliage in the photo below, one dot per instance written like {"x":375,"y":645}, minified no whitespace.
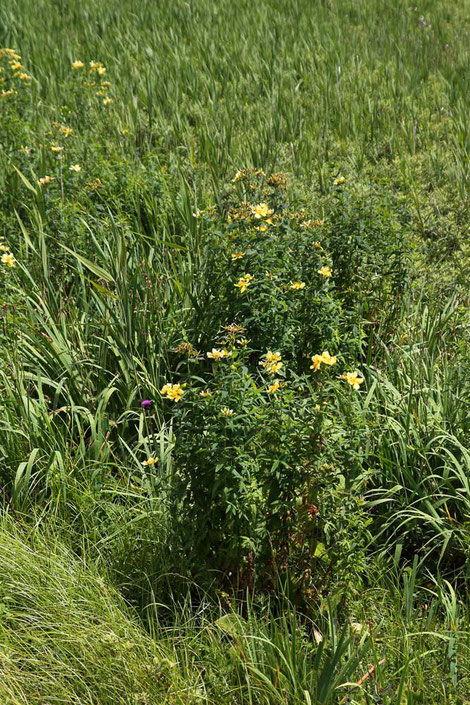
{"x":234,"y":349}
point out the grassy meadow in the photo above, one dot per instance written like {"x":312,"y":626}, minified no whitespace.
{"x":235,"y":352}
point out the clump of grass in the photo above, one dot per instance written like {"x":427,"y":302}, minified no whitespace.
{"x":67,"y":635}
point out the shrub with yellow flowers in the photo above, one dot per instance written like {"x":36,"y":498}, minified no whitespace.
{"x":258,"y":487}
{"x":267,"y":272}
{"x":258,"y":451}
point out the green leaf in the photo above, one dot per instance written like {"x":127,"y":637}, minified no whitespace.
{"x":95,"y":268}
{"x":320,"y":550}
{"x":230,"y":624}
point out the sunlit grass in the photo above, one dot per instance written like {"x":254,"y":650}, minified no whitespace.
{"x":234,"y":351}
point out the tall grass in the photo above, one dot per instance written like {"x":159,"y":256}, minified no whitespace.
{"x":67,"y":635}
{"x":347,"y":509}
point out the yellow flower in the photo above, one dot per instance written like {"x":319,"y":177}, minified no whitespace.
{"x":244,"y":282}
{"x":272,"y":389}
{"x":205,"y":393}
{"x":339,"y":180}
{"x":243,"y":342}
{"x":237,"y":255}
{"x":23,"y":76}
{"x":238,"y":176}
{"x":67,"y":131}
{"x":15,"y":65}
{"x":327,"y":358}
{"x":4,"y":94}
{"x":77,"y":65}
{"x":3,"y":248}
{"x":317,"y":407}
{"x":75,"y":167}
{"x":26,"y":150}
{"x":297,"y":285}
{"x":219,"y":354}
{"x":262,"y":210}
{"x":106,"y":101}
{"x":172,"y":391}
{"x":353,"y":379}
{"x":8,"y":259}
{"x":318,"y":244}
{"x":325,"y":271}
{"x":324,"y":358}
{"x":56,"y":148}
{"x":197,"y":214}
{"x":150,"y":461}
{"x":9,"y":52}
{"x":45,"y":180}
{"x":272,"y":362}
{"x":227,"y":412}
{"x":262,"y":228}
{"x":273,"y":357}
{"x":316,"y":362}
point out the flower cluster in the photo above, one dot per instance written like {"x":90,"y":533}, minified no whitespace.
{"x":11,"y":70}
{"x":172,"y":391}
{"x":7,"y":258}
{"x":244,"y":282}
{"x":325,"y":358}
{"x":97,"y":67}
{"x":262,"y":210}
{"x":272,"y":362}
{"x":97,"y":71}
{"x":216,"y":354}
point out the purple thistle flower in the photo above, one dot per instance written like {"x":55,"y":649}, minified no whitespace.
{"x":146,"y":403}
